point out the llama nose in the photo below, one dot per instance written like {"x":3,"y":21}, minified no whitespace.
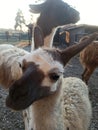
{"x":17,"y":90}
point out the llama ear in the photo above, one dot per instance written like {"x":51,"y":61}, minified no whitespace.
{"x":38,"y":37}
{"x":71,"y":51}
{"x":37,"y":8}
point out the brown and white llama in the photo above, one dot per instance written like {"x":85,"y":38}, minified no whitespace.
{"x":89,"y":59}
{"x":51,"y":101}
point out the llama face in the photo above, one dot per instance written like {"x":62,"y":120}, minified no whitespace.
{"x":41,"y":78}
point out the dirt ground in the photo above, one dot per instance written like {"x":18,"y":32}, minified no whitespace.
{"x":10,"y":120}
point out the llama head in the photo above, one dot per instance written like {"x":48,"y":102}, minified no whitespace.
{"x":42,"y":72}
{"x":54,"y":13}
{"x":41,"y":78}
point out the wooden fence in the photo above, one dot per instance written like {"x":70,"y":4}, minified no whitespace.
{"x":6,"y":36}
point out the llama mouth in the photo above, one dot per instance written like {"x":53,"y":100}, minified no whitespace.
{"x":23,"y":101}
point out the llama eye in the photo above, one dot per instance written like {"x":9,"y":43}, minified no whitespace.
{"x":54,"y":76}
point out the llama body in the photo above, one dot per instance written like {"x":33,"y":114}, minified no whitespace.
{"x":76,"y":103}
{"x":64,"y":110}
{"x":10,"y":61}
{"x":89,"y":59}
{"x":10,"y":57}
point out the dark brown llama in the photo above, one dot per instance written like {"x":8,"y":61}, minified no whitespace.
{"x":54,"y":13}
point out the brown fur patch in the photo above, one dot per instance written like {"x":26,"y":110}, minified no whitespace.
{"x":89,"y":60}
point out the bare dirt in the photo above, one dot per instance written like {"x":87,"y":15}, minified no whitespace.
{"x":10,"y":120}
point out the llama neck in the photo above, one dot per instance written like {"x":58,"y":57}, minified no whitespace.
{"x":47,"y":113}
{"x":48,"y":40}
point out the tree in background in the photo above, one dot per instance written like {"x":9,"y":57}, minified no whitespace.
{"x":19,"y":19}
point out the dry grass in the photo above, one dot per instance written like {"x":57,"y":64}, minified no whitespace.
{"x":20,"y":44}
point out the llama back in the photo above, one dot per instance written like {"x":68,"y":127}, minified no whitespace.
{"x":10,"y":56}
{"x":77,"y":107}
{"x":89,"y":55}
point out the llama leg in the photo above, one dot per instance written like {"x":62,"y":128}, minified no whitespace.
{"x":87,"y":74}
{"x":84,"y":73}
